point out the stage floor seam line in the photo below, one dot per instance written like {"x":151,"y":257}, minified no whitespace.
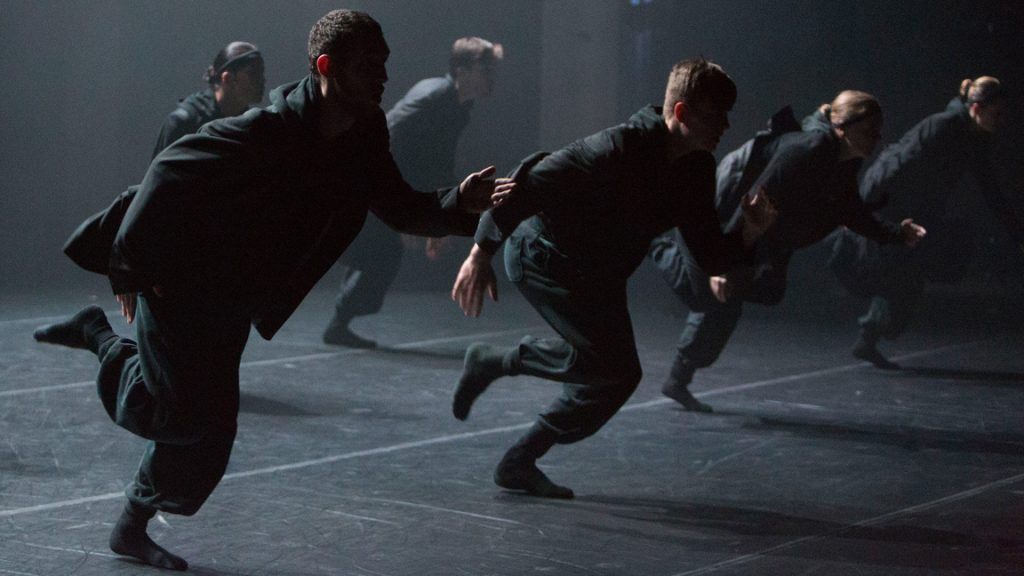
{"x":873,"y":521}
{"x":301,"y":358}
{"x":461,"y":436}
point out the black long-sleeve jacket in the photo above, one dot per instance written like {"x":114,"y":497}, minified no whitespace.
{"x":814,"y":192}
{"x":250,"y":212}
{"x":425,"y":126}
{"x":187,"y":117}
{"x":603,"y":198}
{"x":100,"y":229}
{"x":914,"y":177}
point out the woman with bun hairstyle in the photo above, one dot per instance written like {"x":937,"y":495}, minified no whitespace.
{"x":810,"y":177}
{"x":917,"y":175}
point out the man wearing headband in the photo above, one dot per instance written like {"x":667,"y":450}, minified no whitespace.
{"x":425,"y":126}
{"x":918,"y":175}
{"x":236,"y":82}
{"x":811,"y":178}
{"x":230,"y":229}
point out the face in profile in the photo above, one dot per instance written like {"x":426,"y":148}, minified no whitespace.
{"x":250,"y":82}
{"x":988,"y":117}
{"x":863,"y":136}
{"x":477,"y":81}
{"x":705,"y":124}
{"x":361,"y":76}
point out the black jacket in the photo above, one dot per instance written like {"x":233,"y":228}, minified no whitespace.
{"x":250,"y":212}
{"x":100,"y":229}
{"x":425,"y":126}
{"x":813,"y":192}
{"x":914,"y":177}
{"x":603,"y":199}
{"x":190,"y":114}
{"x":739,"y":169}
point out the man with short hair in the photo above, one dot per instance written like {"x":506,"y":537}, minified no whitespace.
{"x":425,"y":126}
{"x":577,"y":227}
{"x":232,"y":227}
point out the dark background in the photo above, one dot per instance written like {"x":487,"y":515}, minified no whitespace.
{"x":87,"y":84}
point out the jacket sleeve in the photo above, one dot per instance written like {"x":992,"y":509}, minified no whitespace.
{"x":89,"y":245}
{"x":556,"y":182}
{"x":714,"y":251}
{"x":984,"y":174}
{"x":176,"y":219}
{"x":402,"y":208}
{"x":859,"y":218}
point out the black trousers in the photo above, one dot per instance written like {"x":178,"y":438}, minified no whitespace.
{"x":894,"y":277}
{"x":710,"y":323}
{"x":595,"y":358}
{"x":177,"y":386}
{"x":369,"y":267}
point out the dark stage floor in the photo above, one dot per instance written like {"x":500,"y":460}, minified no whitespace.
{"x":349,"y":463}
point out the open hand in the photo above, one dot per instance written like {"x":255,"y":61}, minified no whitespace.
{"x":476,"y":276}
{"x":480,"y":190}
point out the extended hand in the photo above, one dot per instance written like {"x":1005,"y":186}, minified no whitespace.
{"x":475,"y":277}
{"x":758,"y":215}
{"x":479,"y":191}
{"x":912,"y":233}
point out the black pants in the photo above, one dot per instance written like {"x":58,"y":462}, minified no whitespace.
{"x":595,"y":358}
{"x":178,"y":388}
{"x":370,"y":266}
{"x":710,"y":323}
{"x":894,"y":276}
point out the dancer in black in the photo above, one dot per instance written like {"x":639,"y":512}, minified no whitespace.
{"x":810,"y":176}
{"x":236,"y":82}
{"x":425,"y":126}
{"x":577,"y":227}
{"x":232,"y":227}
{"x":917,"y":175}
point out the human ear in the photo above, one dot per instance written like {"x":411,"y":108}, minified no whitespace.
{"x":678,"y":110}
{"x":323,"y":65}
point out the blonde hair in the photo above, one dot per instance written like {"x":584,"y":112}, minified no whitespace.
{"x":981,"y":90}
{"x":850,"y":106}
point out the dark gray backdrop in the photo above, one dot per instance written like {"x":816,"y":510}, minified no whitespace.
{"x":86,"y":84}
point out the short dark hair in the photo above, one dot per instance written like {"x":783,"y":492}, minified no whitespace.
{"x":339,"y":32}
{"x":231,"y":57}
{"x":699,"y":80}
{"x":469,"y":50}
